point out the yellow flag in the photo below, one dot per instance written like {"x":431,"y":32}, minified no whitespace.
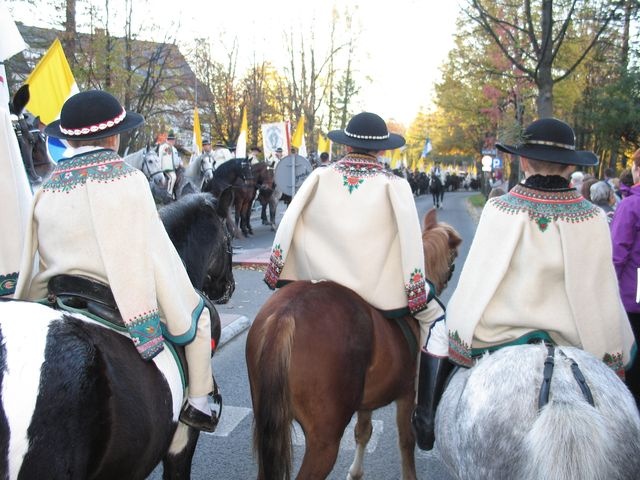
{"x":395,"y":158}
{"x":324,"y":144}
{"x":197,"y":134}
{"x":50,"y":84}
{"x":298,"y":138}
{"x":241,"y":144}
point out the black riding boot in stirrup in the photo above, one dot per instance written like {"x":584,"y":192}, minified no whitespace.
{"x":432,"y":379}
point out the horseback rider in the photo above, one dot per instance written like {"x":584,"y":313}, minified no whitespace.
{"x":539,"y":267}
{"x":207,"y":152}
{"x":169,"y":160}
{"x":15,"y":194}
{"x":254,"y":155}
{"x":114,"y":236}
{"x":221,"y":153}
{"x":370,"y":243}
{"x":436,"y":170}
{"x":275,"y":157}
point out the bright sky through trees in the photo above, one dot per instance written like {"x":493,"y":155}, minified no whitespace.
{"x":402,"y":43}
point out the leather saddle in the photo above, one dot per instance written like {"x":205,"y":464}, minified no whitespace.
{"x":85,"y":293}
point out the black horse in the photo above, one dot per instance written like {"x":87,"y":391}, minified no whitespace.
{"x":232,"y":173}
{"x":436,"y":187}
{"x":78,"y":402}
{"x":32,"y":142}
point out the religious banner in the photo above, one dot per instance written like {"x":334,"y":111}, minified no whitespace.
{"x":274,"y":136}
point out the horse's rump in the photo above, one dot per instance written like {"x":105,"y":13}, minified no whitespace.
{"x":313,"y":341}
{"x":489,"y":425}
{"x":80,"y":384}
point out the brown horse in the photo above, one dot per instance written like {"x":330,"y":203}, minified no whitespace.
{"x":313,"y":341}
{"x":259,"y":181}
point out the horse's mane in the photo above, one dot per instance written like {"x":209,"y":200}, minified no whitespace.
{"x":134,"y":159}
{"x":440,"y":242}
{"x":186,"y":221}
{"x":227,"y":167}
{"x":177,"y":216}
{"x":193,"y":167}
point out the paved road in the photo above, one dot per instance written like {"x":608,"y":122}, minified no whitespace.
{"x":227,"y":454}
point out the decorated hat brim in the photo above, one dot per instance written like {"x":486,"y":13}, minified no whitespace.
{"x":131,"y":120}
{"x":548,"y":153}
{"x":393,"y":141}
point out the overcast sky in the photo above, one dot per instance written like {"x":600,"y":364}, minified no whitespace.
{"x":402,"y":44}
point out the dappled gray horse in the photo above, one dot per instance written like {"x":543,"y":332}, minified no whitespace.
{"x":146,"y":160}
{"x":493,"y":421}
{"x":191,"y":179}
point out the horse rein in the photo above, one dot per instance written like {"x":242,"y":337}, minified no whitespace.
{"x":15,"y":122}
{"x":145,"y":166}
{"x":547,"y":374}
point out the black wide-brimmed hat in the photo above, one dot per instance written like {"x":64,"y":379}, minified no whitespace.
{"x":367,"y":131}
{"x":550,"y":140}
{"x":91,"y":115}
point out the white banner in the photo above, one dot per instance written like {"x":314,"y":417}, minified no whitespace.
{"x":4,"y":89}
{"x":275,"y":135}
{"x":11,"y":41}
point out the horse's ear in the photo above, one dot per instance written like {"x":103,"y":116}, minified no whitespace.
{"x":225,"y":200}
{"x":430,"y":219}
{"x":20,"y":100}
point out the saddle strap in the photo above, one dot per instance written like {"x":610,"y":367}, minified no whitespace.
{"x":409,"y":336}
{"x":545,"y":388}
{"x":549,"y":364}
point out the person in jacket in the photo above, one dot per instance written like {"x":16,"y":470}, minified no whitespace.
{"x":76,"y":227}
{"x":371,"y":243}
{"x":625,"y":236}
{"x":539,"y":267}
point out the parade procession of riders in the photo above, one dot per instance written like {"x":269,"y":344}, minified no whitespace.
{"x":114,"y":262}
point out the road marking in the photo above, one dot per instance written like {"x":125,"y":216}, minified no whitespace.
{"x":232,"y":416}
{"x":229,"y":420}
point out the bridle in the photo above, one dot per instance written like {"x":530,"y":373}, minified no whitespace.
{"x":145,"y":167}
{"x":228,"y":239}
{"x":24,"y":133}
{"x":206,"y":166}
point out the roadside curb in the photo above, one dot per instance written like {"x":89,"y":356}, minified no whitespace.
{"x":474,"y":212}
{"x":233,"y":329}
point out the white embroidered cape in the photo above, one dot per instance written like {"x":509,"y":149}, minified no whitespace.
{"x":354,"y":223}
{"x":96,"y":217}
{"x":540,"y":262}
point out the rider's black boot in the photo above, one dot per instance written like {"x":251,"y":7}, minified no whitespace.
{"x":432,"y":379}
{"x":199,"y":420}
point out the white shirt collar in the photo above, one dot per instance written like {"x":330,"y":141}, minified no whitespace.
{"x":72,"y":152}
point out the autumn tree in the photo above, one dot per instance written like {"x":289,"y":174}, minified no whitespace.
{"x":540,"y":33}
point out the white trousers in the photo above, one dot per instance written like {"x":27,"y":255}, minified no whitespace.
{"x":433,"y":330}
{"x":171,"y":181}
{"x":198,"y":354}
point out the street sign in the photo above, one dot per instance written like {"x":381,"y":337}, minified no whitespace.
{"x":486,"y":163}
{"x":497,"y":163}
{"x":290,"y":172}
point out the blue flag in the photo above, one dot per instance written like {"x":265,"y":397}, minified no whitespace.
{"x":427,"y":147}
{"x":55,"y":148}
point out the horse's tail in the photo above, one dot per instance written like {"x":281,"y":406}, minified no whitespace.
{"x":575,"y":432}
{"x":273,"y":412}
